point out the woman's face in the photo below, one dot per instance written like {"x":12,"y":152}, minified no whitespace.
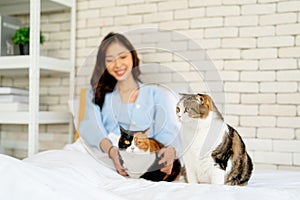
{"x":118,"y":61}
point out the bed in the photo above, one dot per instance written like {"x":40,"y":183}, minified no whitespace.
{"x":76,"y":172}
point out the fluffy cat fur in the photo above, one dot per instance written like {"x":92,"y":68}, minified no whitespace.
{"x":225,"y":160}
{"x":138,"y":142}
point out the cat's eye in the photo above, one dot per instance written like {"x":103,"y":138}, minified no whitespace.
{"x":127,"y":142}
{"x":187,"y":110}
{"x":177,"y":109}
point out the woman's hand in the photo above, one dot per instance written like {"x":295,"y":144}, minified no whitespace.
{"x":115,"y":157}
{"x":113,"y":153}
{"x":167,"y":158}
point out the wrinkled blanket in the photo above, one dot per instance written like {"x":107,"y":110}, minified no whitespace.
{"x":77,"y":173}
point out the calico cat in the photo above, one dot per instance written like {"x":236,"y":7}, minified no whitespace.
{"x":215,"y":152}
{"x":138,"y":142}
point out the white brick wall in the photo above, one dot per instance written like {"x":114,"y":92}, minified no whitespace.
{"x":259,"y":53}
{"x":291,"y":75}
{"x":241,"y":21}
{"x":276,"y":133}
{"x":257,"y":31}
{"x":247,"y":87}
{"x":278,"y":64}
{"x":258,"y":9}
{"x":296,"y":160}
{"x":255,"y":76}
{"x":273,"y":158}
{"x":258,"y":98}
{"x":281,"y":18}
{"x":254,"y":45}
{"x":259,"y":144}
{"x":237,"y":109}
{"x":278,"y":110}
{"x":279,"y":87}
{"x":286,"y":146}
{"x":239,"y":65}
{"x":257,"y":121}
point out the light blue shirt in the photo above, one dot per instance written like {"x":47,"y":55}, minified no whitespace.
{"x":150,"y":110}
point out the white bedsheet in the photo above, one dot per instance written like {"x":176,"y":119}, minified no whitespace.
{"x":74,"y":174}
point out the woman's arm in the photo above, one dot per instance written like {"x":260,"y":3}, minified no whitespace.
{"x":113,"y":154}
{"x":91,"y":128}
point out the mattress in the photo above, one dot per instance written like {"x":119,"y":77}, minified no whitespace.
{"x":79,"y":173}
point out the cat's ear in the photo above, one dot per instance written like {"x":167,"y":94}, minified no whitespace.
{"x":146,"y":132}
{"x":209,"y":102}
{"x":123,"y":130}
{"x":183,"y":94}
{"x":201,"y":98}
{"x":212,"y":106}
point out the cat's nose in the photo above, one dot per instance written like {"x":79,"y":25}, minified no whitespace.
{"x":132,"y":148}
{"x":179,"y":117}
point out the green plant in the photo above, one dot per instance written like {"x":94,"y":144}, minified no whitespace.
{"x":21,"y":36}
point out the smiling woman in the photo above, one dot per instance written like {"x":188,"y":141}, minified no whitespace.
{"x":117,"y":98}
{"x":119,"y":64}
{"x":111,"y":60}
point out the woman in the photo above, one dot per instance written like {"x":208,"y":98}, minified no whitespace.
{"x":117,"y":98}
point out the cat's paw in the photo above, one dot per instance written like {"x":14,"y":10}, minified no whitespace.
{"x":234,"y":180}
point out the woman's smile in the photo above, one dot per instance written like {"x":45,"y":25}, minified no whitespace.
{"x":120,"y":72}
{"x":118,"y":61}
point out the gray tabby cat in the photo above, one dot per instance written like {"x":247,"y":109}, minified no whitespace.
{"x":214,"y":151}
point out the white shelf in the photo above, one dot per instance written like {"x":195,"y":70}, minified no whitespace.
{"x":44,"y":117}
{"x":9,"y":65}
{"x":33,"y":65}
{"x":12,"y":7}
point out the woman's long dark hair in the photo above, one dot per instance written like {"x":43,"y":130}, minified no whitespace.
{"x":102,"y":82}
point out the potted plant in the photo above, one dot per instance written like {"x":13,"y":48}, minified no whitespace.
{"x":21,"y":38}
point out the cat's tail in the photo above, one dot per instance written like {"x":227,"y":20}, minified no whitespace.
{"x":242,"y":165}
{"x":176,"y":172}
